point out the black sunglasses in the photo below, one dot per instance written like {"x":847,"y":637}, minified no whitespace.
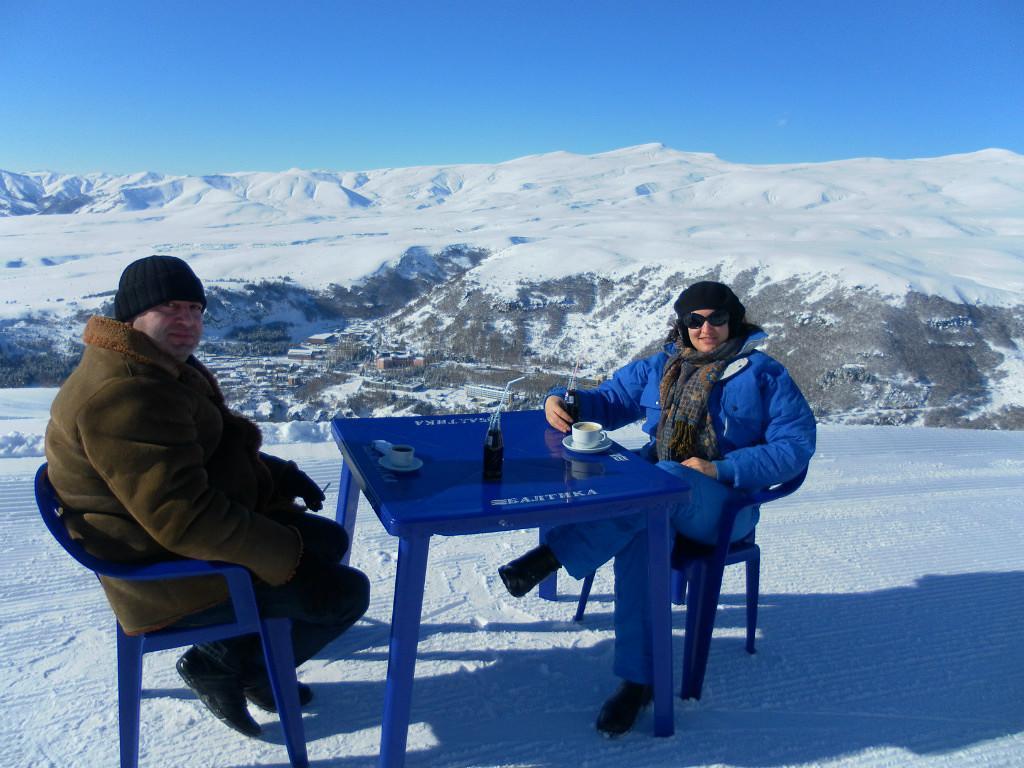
{"x":693,"y":321}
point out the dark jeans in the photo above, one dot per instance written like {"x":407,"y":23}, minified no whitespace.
{"x":320,"y":608}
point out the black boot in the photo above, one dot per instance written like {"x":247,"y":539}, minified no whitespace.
{"x":219,"y":689}
{"x":526,"y":572}
{"x":263,"y":697}
{"x":619,"y":713}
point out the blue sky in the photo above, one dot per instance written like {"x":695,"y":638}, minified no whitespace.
{"x":206,"y":85}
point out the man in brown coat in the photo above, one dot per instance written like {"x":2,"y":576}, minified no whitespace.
{"x":150,"y":465}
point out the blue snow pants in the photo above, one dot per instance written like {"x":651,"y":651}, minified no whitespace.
{"x":583,"y":547}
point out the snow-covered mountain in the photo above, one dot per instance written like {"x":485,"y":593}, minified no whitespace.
{"x":894,"y":288}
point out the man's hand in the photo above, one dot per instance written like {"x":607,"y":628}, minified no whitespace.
{"x":557,"y":416}
{"x":296,"y":483}
{"x":704,"y":467}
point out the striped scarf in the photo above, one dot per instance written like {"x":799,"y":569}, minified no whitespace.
{"x":685,"y":429}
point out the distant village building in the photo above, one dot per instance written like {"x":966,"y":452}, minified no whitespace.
{"x":489,"y":393}
{"x":322,"y":339}
{"x":300,"y":353}
{"x":388,"y":361}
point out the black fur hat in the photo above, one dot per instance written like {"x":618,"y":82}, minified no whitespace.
{"x":154,"y":280}
{"x":708,"y":294}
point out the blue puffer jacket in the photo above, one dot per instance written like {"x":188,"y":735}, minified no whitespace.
{"x":765,"y":429}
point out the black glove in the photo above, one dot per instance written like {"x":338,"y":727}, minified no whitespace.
{"x":292,"y":482}
{"x":295,"y":482}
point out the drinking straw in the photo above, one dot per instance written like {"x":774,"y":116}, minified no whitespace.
{"x":508,"y":386}
{"x":572,"y":378}
{"x":494,"y":423}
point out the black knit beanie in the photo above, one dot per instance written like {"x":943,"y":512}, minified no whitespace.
{"x":708,"y":294}
{"x":154,"y":280}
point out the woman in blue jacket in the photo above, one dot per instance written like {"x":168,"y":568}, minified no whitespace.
{"x":721,"y":415}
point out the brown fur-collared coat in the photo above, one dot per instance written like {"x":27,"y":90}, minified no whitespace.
{"x":150,"y":465}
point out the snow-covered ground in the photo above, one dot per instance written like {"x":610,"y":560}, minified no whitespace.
{"x":892,"y":609}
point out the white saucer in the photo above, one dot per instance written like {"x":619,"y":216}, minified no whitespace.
{"x":416,"y":464}
{"x":604,"y":445}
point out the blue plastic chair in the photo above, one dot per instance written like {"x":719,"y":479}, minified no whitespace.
{"x":275,"y":634}
{"x":697,"y":571}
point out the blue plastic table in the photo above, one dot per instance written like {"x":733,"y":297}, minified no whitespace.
{"x":542,"y":484}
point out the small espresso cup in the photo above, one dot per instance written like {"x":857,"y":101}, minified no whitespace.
{"x":587,"y":434}
{"x":401,"y":455}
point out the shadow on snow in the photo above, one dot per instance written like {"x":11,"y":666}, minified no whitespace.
{"x":930,"y":668}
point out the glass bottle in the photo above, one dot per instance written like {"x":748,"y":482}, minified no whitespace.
{"x":494,"y":452}
{"x":572,"y":404}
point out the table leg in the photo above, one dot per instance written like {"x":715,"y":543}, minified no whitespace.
{"x":345,"y":513}
{"x":405,"y":630}
{"x":661,"y":620}
{"x":548,"y":589}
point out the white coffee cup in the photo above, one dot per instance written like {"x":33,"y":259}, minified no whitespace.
{"x":587,"y":434}
{"x":401,"y":455}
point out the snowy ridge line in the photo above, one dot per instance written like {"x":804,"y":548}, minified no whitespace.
{"x":822,"y":679}
{"x":913,"y":558}
{"x":78,"y":595}
{"x":1014,"y":450}
{"x":12,"y":488}
{"x":827,"y":461}
{"x":889,"y":440}
{"x":899,"y":226}
{"x":862,"y":714}
{"x":845,"y":682}
{"x":889,"y":490}
{"x":812,"y":638}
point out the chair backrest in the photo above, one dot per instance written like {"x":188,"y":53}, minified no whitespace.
{"x":238,"y":580}
{"x":49,"y":508}
{"x":740,"y":501}
{"x":777,"y":491}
